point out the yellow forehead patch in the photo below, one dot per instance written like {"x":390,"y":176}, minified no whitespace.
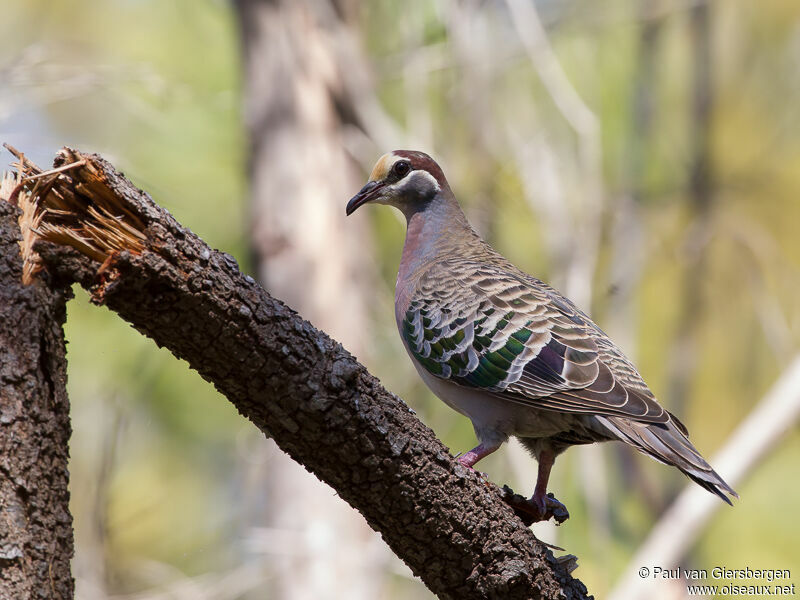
{"x":382,"y":167}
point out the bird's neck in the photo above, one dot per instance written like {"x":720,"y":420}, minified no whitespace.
{"x":440,"y":230}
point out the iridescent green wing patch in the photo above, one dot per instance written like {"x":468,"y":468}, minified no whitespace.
{"x":440,"y":344}
{"x":486,"y":349}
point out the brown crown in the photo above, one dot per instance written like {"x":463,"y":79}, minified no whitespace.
{"x":421,"y":161}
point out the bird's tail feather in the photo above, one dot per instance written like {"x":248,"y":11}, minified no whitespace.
{"x":668,"y":443}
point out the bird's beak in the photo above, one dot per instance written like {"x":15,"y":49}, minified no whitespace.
{"x":369,"y":192}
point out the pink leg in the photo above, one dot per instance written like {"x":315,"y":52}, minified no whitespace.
{"x":546,"y":460}
{"x":541,"y":506}
{"x":468,"y":459}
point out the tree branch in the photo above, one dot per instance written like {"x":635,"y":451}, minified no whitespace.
{"x":682,"y":523}
{"x":293,"y":382}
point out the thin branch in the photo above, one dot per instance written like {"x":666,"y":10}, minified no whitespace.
{"x":679,"y":527}
{"x":583,"y":222}
{"x":587,"y":127}
{"x":532,"y":34}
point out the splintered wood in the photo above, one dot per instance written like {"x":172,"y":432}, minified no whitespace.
{"x":29,"y":220}
{"x":70,"y":205}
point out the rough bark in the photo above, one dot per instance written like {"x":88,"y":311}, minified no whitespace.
{"x":294,"y":383}
{"x":35,"y":523}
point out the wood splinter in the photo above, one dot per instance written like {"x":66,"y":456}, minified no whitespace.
{"x":72,"y":205}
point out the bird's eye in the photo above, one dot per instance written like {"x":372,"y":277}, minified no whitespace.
{"x":401,"y":168}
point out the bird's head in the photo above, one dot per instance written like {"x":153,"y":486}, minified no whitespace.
{"x":405,"y":179}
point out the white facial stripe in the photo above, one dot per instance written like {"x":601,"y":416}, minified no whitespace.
{"x":425,"y":175}
{"x":414,"y":177}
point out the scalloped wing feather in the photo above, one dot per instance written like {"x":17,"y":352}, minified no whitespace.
{"x":493,"y":328}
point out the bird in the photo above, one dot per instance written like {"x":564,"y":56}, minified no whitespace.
{"x":507,"y":350}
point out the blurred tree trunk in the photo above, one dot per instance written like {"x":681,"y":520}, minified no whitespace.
{"x":627,"y":240}
{"x":36,"y":543}
{"x":700,"y":202}
{"x":305,"y":254}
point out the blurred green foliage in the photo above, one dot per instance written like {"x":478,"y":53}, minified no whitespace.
{"x":159,"y":459}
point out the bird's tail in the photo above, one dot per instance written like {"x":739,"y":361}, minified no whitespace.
{"x":668,"y":443}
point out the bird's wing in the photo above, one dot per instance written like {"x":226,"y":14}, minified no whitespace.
{"x":488,"y":327}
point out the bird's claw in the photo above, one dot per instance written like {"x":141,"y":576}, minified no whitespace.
{"x":534,"y":510}
{"x":555,"y":509}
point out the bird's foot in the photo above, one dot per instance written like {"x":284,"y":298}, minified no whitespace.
{"x":466,"y":463}
{"x":467,"y":459}
{"x":534,"y":510}
{"x":554,"y":509}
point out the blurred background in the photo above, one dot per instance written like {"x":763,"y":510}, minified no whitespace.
{"x":641,"y":156}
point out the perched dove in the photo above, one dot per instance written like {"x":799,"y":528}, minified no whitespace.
{"x":507,"y":350}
